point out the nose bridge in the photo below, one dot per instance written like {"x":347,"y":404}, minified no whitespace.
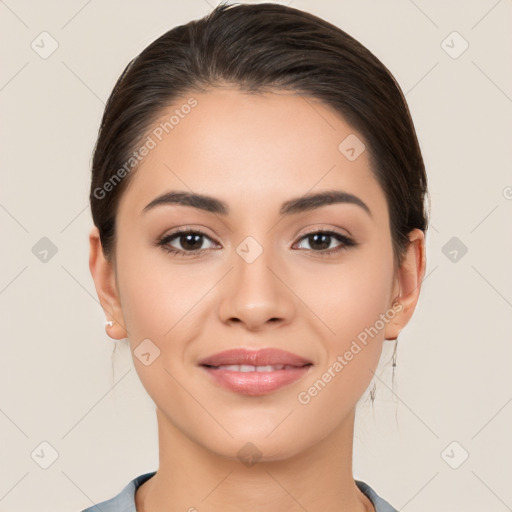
{"x":254,"y":295}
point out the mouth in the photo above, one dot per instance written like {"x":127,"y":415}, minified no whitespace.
{"x":255,"y":373}
{"x":246,"y":368}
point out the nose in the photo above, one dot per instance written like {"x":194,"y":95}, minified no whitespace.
{"x":256,"y":294}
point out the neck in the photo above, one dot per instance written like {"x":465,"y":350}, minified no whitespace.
{"x":192,"y":478}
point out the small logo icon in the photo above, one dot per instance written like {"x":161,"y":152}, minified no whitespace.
{"x":454,"y":249}
{"x":44,"y":455}
{"x":249,"y":454}
{"x":249,"y":249}
{"x":454,"y":45}
{"x":44,"y":45}
{"x":44,"y":250}
{"x":351,"y":147}
{"x":454,"y":455}
{"x":146,"y":352}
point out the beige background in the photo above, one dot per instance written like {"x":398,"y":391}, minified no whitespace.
{"x":58,"y":383}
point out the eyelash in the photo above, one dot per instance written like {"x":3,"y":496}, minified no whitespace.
{"x":163,"y":242}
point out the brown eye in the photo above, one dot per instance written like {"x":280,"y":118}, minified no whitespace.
{"x":191,"y":242}
{"x":185,"y":242}
{"x":321,"y":242}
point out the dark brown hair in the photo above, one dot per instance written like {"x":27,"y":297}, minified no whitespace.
{"x":257,"y":48}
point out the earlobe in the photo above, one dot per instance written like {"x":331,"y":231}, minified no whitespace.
{"x":103,"y":274}
{"x":409,"y":278}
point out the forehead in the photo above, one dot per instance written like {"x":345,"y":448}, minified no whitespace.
{"x":252,"y":149}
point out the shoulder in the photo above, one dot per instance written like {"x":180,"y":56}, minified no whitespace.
{"x":379,"y":504}
{"x":125,"y":500}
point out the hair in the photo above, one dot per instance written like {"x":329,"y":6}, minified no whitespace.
{"x":260,"y":48}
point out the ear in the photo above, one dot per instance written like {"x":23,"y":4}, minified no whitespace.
{"x":408,"y":280}
{"x":104,"y":276}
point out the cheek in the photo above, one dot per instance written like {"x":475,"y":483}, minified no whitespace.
{"x":157,"y":297}
{"x":353,"y":301}
{"x":164,"y":303}
{"x":351,"y":295}
{"x":352,"y":305}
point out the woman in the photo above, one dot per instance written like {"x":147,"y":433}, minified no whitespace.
{"x":258,"y":200}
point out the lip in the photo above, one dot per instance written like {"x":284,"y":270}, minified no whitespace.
{"x":255,"y":383}
{"x":261,"y":357}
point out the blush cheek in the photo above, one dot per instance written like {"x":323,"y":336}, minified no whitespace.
{"x":161,"y":306}
{"x":355,"y":316}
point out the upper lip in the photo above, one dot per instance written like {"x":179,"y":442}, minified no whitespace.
{"x":261,"y":357}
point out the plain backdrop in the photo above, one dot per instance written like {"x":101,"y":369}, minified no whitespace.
{"x":438,"y":440}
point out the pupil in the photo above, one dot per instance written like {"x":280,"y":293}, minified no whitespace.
{"x":191,"y":241}
{"x":316,"y":237}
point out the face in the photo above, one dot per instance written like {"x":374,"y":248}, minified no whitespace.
{"x":253,"y":271}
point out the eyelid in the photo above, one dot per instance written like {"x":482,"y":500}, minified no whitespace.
{"x":326,"y":229}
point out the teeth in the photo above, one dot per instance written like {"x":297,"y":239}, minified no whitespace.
{"x":249,"y":368}
{"x":268,"y":368}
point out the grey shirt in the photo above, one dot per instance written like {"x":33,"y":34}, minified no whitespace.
{"x":125,"y":500}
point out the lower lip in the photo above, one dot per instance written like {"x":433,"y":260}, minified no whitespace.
{"x":256,"y":383}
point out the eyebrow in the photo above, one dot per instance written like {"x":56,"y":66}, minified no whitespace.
{"x":290,"y":207}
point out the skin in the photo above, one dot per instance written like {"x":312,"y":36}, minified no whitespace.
{"x":254,"y":152}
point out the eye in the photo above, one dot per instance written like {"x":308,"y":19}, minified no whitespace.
{"x":191,"y":242}
{"x":321,"y":242}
